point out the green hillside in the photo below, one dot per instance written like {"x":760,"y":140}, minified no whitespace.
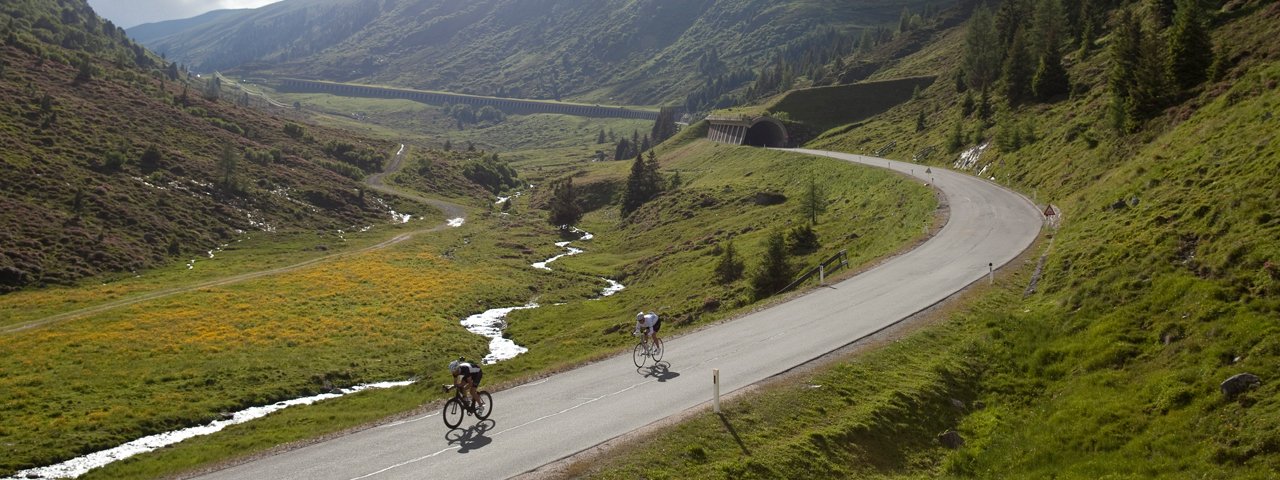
{"x":115,"y":162}
{"x":1103,"y":353}
{"x":643,"y":52}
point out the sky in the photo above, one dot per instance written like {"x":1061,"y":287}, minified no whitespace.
{"x":130,"y":13}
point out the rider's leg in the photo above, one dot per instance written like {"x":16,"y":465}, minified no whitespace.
{"x":472,"y":385}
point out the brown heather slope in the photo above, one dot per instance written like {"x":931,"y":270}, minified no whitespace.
{"x":79,"y":197}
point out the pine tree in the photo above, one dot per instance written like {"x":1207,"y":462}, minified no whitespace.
{"x":1190,"y":49}
{"x":151,"y":159}
{"x":982,"y":50}
{"x":1153,"y":87}
{"x":775,"y":270}
{"x":600,"y":136}
{"x":1018,"y":70}
{"x":813,"y":201}
{"x":664,"y":126}
{"x":228,"y":166}
{"x":633,"y":196}
{"x":1125,"y":52}
{"x":1051,"y":78}
{"x":564,"y":209}
{"x":730,"y":267}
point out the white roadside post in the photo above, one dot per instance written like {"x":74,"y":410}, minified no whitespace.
{"x":715,"y":380}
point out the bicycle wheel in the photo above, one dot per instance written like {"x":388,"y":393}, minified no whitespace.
{"x":656,"y":352}
{"x":452,"y":413}
{"x":483,"y":411}
{"x":638,"y":354}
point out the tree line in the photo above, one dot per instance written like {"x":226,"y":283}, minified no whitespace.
{"x":1159,"y":50}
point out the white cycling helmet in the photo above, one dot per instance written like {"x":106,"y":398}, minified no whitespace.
{"x":640,"y":315}
{"x":453,"y":366}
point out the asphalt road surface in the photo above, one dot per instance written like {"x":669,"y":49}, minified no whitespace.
{"x":544,"y":421}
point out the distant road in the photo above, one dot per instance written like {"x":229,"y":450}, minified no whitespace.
{"x":544,"y":421}
{"x":451,"y":211}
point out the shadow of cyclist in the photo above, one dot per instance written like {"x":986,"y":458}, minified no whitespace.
{"x":472,"y":438}
{"x":660,"y":371}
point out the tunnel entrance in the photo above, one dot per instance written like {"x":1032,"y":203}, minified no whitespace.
{"x":766,"y":132}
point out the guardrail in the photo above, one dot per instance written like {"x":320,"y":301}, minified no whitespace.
{"x":841,"y":259}
{"x":886,"y":149}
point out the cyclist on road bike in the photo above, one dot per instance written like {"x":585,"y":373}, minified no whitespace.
{"x":650,"y":323}
{"x":468,"y":375}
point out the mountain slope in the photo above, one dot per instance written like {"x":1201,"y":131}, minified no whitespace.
{"x":149,"y":32}
{"x":619,"y":51}
{"x":1107,"y":357}
{"x":113,"y":167}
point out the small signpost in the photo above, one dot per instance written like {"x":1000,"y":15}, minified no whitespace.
{"x":715,"y":381}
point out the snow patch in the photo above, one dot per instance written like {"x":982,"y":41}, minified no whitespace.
{"x":969,"y":158}
{"x":457,"y":222}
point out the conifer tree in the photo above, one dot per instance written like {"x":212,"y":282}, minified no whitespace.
{"x":1190,"y":49}
{"x":813,"y":201}
{"x":982,"y":50}
{"x":564,"y":209}
{"x":729,"y":268}
{"x":775,"y":270}
{"x":1125,"y":52}
{"x":1018,"y":70}
{"x":228,"y":166}
{"x":1050,"y":79}
{"x":643,"y":183}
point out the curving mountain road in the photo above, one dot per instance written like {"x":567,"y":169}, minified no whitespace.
{"x":541,"y":422}
{"x":450,"y":210}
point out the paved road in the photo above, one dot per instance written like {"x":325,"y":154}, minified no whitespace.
{"x":541,"y":422}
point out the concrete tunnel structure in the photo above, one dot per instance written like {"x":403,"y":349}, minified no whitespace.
{"x":757,"y":131}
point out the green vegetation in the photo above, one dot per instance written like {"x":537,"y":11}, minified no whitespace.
{"x":642,"y":53}
{"x":221,"y":331}
{"x":1102,"y":360}
{"x":122,"y":172}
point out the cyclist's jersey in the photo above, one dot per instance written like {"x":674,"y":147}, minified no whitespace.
{"x":470,"y":372}
{"x":466,"y":368}
{"x":650,"y":321}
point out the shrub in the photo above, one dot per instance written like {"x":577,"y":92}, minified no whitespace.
{"x":802,"y":240}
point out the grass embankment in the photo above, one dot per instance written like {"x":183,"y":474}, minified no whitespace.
{"x":870,"y":414}
{"x":1161,"y":283}
{"x":394,"y":314}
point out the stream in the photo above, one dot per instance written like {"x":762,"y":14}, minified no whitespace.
{"x":489,"y":323}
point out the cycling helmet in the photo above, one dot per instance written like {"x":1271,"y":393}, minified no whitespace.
{"x":453,"y":366}
{"x":640,"y":315}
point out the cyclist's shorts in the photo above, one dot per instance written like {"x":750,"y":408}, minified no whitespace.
{"x":657,"y":325}
{"x":475,"y":377}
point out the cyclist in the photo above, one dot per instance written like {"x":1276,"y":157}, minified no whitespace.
{"x":650,"y":323}
{"x":467,"y":375}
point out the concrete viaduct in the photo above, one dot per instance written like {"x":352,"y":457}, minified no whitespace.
{"x":508,"y":105}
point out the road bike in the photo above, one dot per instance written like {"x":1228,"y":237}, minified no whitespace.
{"x":460,"y":406}
{"x":646,"y":350}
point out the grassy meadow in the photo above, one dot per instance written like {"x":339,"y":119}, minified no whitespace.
{"x":1160,"y":284}
{"x":393,"y":314}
